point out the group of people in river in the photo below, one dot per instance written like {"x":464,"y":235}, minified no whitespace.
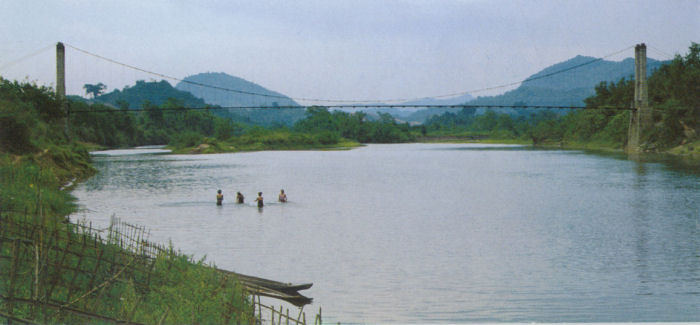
{"x":240,"y":199}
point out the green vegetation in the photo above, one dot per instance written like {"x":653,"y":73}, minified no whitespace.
{"x":53,"y":271}
{"x":354,"y":126}
{"x":505,"y":127}
{"x":94,"y":90}
{"x":320,"y":129}
{"x":154,"y":93}
{"x":674,"y":94}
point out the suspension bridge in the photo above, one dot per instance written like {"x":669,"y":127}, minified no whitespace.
{"x":640,"y":110}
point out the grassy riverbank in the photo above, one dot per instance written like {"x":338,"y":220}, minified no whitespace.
{"x":53,"y":271}
{"x":269,"y":140}
{"x":688,"y":150}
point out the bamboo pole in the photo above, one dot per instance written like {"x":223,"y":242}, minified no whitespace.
{"x":301,"y":311}
{"x":75,"y":274}
{"x":13,"y":275}
{"x":279,"y":321}
{"x":165,"y":314}
{"x":58,"y":269}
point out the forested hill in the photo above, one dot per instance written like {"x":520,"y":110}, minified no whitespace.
{"x":240,"y":97}
{"x":588,"y":75}
{"x":155,"y":92}
{"x":568,"y":88}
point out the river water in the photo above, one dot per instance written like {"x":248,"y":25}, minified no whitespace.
{"x":429,"y":233}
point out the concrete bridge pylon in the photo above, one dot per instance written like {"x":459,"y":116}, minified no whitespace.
{"x":640,"y":119}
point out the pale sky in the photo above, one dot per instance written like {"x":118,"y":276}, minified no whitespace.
{"x":360,"y":50}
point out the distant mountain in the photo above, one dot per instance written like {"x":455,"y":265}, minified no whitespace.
{"x":447,"y":101}
{"x":568,"y":88}
{"x":588,"y":74}
{"x":245,"y":93}
{"x":242,"y":96}
{"x":416,"y":114}
{"x":423,"y":114}
{"x":156,"y":92}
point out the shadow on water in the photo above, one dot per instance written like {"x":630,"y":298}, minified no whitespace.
{"x":187,"y":204}
{"x":670,"y":162}
{"x":489,"y":147}
{"x":157,"y":150}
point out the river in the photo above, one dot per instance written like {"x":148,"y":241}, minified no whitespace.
{"x":429,"y":233}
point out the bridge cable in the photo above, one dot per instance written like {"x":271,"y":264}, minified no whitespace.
{"x":35,"y":53}
{"x":538,"y":77}
{"x":112,"y":110}
{"x":346,"y":100}
{"x":661,"y":52}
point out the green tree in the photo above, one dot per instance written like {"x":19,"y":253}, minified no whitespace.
{"x":94,"y":90}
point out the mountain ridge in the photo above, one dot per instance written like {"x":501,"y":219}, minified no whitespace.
{"x":571,"y":82}
{"x":242,"y":93}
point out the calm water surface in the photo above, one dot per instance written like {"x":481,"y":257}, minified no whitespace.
{"x":430,"y":232}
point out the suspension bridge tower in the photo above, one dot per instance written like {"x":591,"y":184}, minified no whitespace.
{"x":60,"y":71}
{"x":61,"y":83}
{"x":640,"y":119}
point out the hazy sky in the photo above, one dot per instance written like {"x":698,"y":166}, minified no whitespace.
{"x":335,"y":49}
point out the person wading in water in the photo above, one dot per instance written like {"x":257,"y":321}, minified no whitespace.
{"x":219,"y":197}
{"x":259,"y":199}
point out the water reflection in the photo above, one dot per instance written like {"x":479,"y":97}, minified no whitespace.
{"x":639,"y":214}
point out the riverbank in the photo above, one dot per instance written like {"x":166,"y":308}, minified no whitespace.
{"x":470,"y":139}
{"x":689,"y":151}
{"x":274,"y":141}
